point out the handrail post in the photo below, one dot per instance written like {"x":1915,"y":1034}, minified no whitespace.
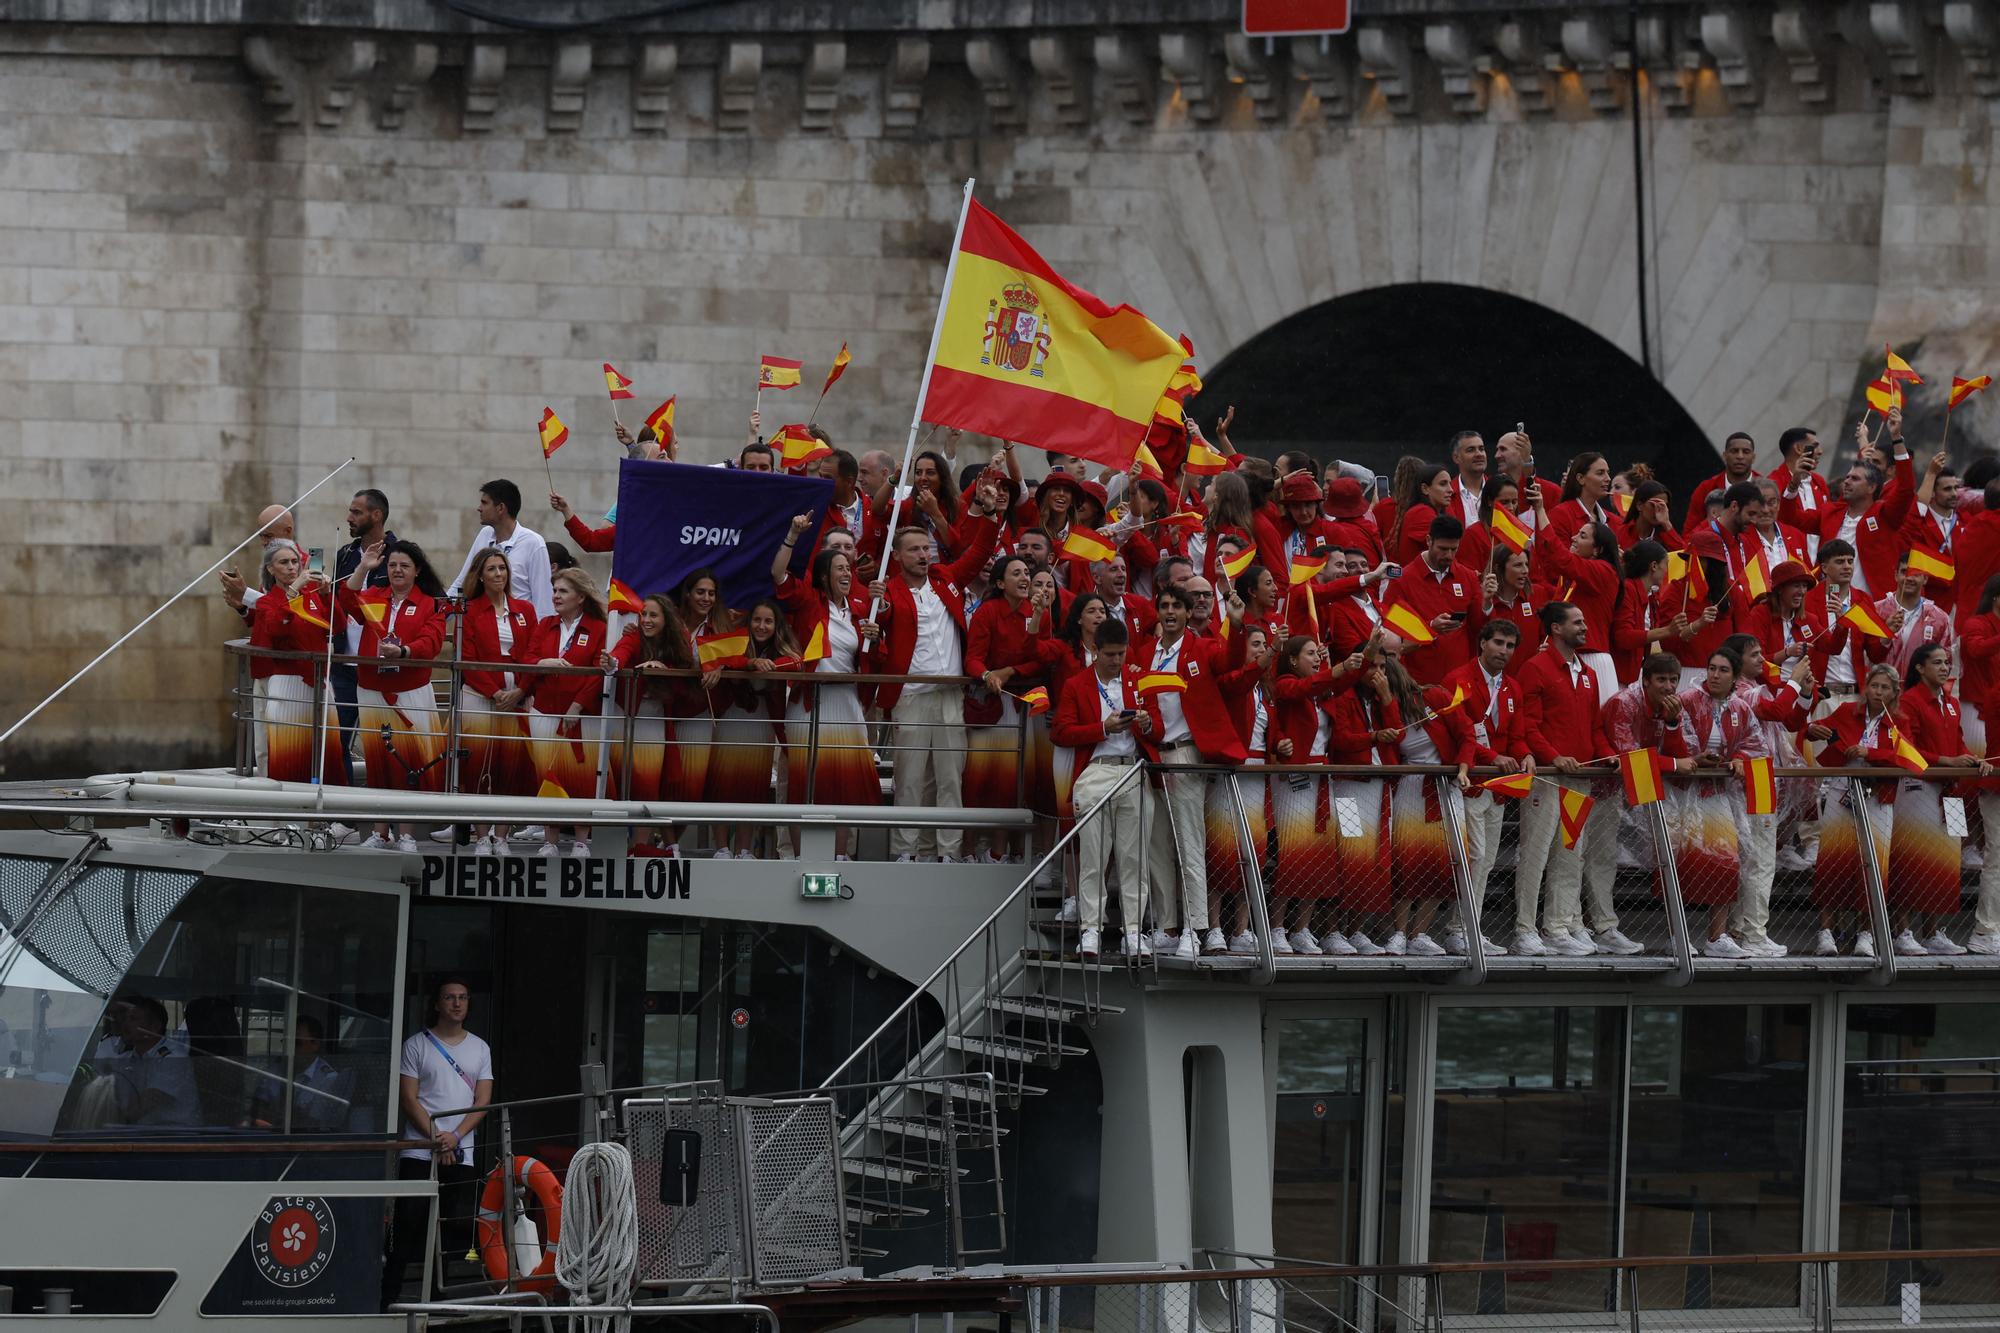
{"x":322,"y":687}
{"x":506,"y":1192}
{"x":631,"y":700}
{"x":455,"y":624}
{"x":1021,"y":757}
{"x":1670,"y":895}
{"x":812,"y":749}
{"x":1251,"y":855}
{"x":246,"y":735}
{"x":1471,"y":897}
{"x":1858,"y":797}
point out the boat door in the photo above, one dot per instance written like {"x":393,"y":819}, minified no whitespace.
{"x":1328,"y":1103}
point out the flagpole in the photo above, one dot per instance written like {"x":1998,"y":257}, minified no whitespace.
{"x":156,"y":612}
{"x":1947,"y":428}
{"x":923,"y":391}
{"x":333,"y":617}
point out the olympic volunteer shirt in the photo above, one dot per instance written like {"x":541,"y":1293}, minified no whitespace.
{"x":439,"y":1087}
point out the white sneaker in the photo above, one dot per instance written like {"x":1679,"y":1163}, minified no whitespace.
{"x":485,"y":847}
{"x":406,"y":843}
{"x":722,"y":854}
{"x":1145,"y":945}
{"x":1764,"y":948}
{"x":549,"y":849}
{"x":1335,"y":943}
{"x":448,"y":833}
{"x":1985,"y":942}
{"x":1614,"y":940}
{"x":375,"y":842}
{"x":1281,"y":943}
{"x":1943,"y":945}
{"x":1068,"y":913}
{"x":1864,"y":944}
{"x":342,"y":834}
{"x":1973,"y":858}
{"x":1247,"y":943}
{"x":1456,"y":944}
{"x":578,"y":851}
{"x":838,"y":856}
{"x":1136,"y":945}
{"x":991,"y":860}
{"x":1582,"y":936}
{"x":1569,"y":946}
{"x":1165,"y":943}
{"x":532,"y":833}
{"x":1906,"y":945}
{"x":1086,"y":944}
{"x":1304,"y":943}
{"x":1397,"y":946}
{"x":1724,"y":946}
{"x":1363,"y":945}
{"x":1825,"y":946}
{"x":1528,"y":943}
{"x":1214,"y":942}
{"x":1790,"y":859}
{"x":1494,"y":948}
{"x":1185,"y":947}
{"x":1423,"y":946}
{"x":907,"y":859}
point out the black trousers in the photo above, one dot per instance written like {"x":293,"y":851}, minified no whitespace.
{"x":458,"y":1198}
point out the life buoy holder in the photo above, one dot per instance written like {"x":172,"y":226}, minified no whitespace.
{"x":493,"y":1230}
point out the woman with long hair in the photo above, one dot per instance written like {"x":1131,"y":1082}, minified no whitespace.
{"x":496,"y":627}
{"x":1586,"y":568}
{"x":1649,"y":517}
{"x":1367,"y":726}
{"x":1255,"y":715}
{"x":1475,"y":549}
{"x":1070,"y":650}
{"x":1586,"y":486}
{"x":656,"y":640}
{"x":1432,"y":732}
{"x":1922,"y":885}
{"x":830,"y":617}
{"x":745,"y":746}
{"x":1429,"y":491}
{"x":1388,"y":509}
{"x":933,"y":503}
{"x":292,"y":616}
{"x":1508,"y":594}
{"x":698,"y":598}
{"x":1306,"y":883}
{"x":402,"y":626}
{"x":1001,"y":653}
{"x":1231,"y":514}
{"x":1150,"y":539}
{"x":1708,"y":817}
{"x":564,"y":719}
{"x":1639,"y":625}
{"x":1858,"y":733}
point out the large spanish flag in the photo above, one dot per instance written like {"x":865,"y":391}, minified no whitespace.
{"x":1024,"y":355}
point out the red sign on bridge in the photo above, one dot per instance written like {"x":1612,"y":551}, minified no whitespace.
{"x":1291,"y":18}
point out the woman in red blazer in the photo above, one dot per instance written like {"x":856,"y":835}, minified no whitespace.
{"x":285,"y":703}
{"x":1858,"y":732}
{"x":655,"y":703}
{"x":403,"y":626}
{"x":830,"y":618}
{"x":1065,"y":655}
{"x":1367,"y":725}
{"x":740,"y":763}
{"x":1432,"y":492}
{"x":1922,"y":885}
{"x":496,"y":627}
{"x":1308,"y":858}
{"x":1507,"y":593}
{"x":564,"y":719}
{"x":1001,"y":652}
{"x":1435,"y":732}
{"x":1255,"y":713}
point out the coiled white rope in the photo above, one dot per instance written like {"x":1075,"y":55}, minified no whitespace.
{"x":597,"y":1255}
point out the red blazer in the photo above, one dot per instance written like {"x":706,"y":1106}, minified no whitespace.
{"x":1566,"y":518}
{"x":1698,"y":502}
{"x":1848,"y":723}
{"x":1202,"y":664}
{"x":1357,"y":714}
{"x":1523,"y":613}
{"x":1452,"y":732}
{"x":1297,"y":701}
{"x":1931,"y":723}
{"x":1829,"y":636}
{"x":1560,"y":718}
{"x":1139,"y":614}
{"x":1979,"y":661}
{"x":681,"y":696}
{"x":479,"y":634}
{"x":554,"y":694}
{"x":1921,"y":528}
{"x":807,"y":611}
{"x":419,"y":626}
{"x":273,"y":624}
{"x":1429,"y":596}
{"x":899,"y":611}
{"x":1492,"y":736}
{"x":1356,"y":534}
{"x":1792,"y":509}
{"x":1593,"y":584}
{"x":998,"y":637}
{"x":1878,"y":537}
{"x":1413,"y":534}
{"x":1343,"y":625}
{"x":596,"y":540}
{"x":1078,"y":719}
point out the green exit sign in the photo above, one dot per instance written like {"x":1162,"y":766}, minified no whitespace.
{"x":820,"y":886}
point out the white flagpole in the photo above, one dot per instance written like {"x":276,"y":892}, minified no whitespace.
{"x":154,"y":615}
{"x":923,"y":392}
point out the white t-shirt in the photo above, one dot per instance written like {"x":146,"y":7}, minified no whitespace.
{"x":439,"y":1087}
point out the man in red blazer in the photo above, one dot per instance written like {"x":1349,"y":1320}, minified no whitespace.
{"x":1494,"y":699}
{"x":1196,"y":726}
{"x":1104,"y":719}
{"x":1443,"y":594}
{"x":1129,"y":609}
{"x":1803,"y":493}
{"x":1739,"y":453}
{"x":922,"y":614}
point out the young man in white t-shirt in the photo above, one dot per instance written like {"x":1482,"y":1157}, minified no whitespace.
{"x":443,"y":1067}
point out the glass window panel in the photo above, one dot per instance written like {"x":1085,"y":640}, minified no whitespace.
{"x":1316,"y":1162}
{"x":1715,"y":1163}
{"x":1524,"y":1151}
{"x":1920,"y":1119}
{"x":344,"y":1044}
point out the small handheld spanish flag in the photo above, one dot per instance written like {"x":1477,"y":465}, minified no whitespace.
{"x":1622,"y":502}
{"x":1932,"y":564}
{"x":723,"y":650}
{"x":1306,"y":568}
{"x":1760,"y":788}
{"x":1641,"y":771}
{"x":1157,"y":682}
{"x":1242,"y":560}
{"x":1899,"y":371}
{"x":1964,"y":389}
{"x":776,"y":372}
{"x":1037,"y":700}
{"x":1149,"y":465}
{"x":1087,"y":545}
{"x":1862,"y":616}
{"x":1508,"y":530}
{"x":1203,"y":461}
{"x":1757,"y":576}
{"x":375,"y":612}
{"x":619,"y":386}
{"x":1184,"y":521}
{"x":1883,"y":394}
{"x":1575,"y":813}
{"x":840,"y":360}
{"x":661,"y":419}
{"x":551,"y":790}
{"x":622,"y":597}
{"x":797,"y":446}
{"x":554,"y":434}
{"x":1510,"y":784}
{"x":309,"y":609}
{"x":1408,"y":624}
{"x":1169,"y":410}
{"x":816,"y":645}
{"x":1905,"y":754}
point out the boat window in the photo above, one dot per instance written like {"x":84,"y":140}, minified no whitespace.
{"x":1316,"y":1159}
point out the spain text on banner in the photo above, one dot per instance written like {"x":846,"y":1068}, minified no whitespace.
{"x":1024,"y":355}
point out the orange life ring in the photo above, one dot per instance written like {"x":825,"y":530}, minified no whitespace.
{"x":493,"y":1228}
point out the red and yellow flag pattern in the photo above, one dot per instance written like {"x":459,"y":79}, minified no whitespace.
{"x":1037,"y":700}
{"x":777,"y":372}
{"x":723,"y":650}
{"x":554,"y":434}
{"x":1085,"y":544}
{"x":1883,"y":394}
{"x":1025,"y":355}
{"x":841,"y":360}
{"x":1904,"y":754}
{"x":1203,"y":461}
{"x":816,"y":645}
{"x":661,"y":419}
{"x":309,"y":608}
{"x":1964,"y":389}
{"x":551,"y":790}
{"x":1242,"y":560}
{"x":1931,"y":564}
{"x":1306,"y":568}
{"x":1508,"y":530}
{"x":622,"y":598}
{"x":797,"y":446}
{"x":1757,"y":576}
{"x":1641,"y":771}
{"x":1408,"y":624}
{"x":619,"y":386}
{"x":1510,"y":784}
{"x":1575,"y":814}
{"x":1862,"y":616}
{"x":1155,"y":682}
{"x":1899,"y":371}
{"x":1760,"y":786}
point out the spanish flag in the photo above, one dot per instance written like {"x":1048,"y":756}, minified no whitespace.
{"x":554,"y":434}
{"x":1203,"y":461}
{"x":1037,"y":700}
{"x":622,"y":597}
{"x":1305,"y":568}
{"x":1899,"y":370}
{"x":775,"y":372}
{"x":1169,"y":410}
{"x":551,"y":790}
{"x":1087,"y":545}
{"x":1510,"y":784}
{"x":619,"y":386}
{"x":1964,"y":389}
{"x":840,"y":360}
{"x":816,"y":645}
{"x":1185,"y":521}
{"x":1883,"y":394}
{"x":1757,"y":576}
{"x":1508,"y":530}
{"x":1575,"y":813}
{"x":1641,"y":771}
{"x":1932,"y":564}
{"x":1408,"y":624}
{"x":1905,"y":754}
{"x":1760,"y":788}
{"x":375,"y":612}
{"x":1025,"y":355}
{"x":1862,"y":616}
{"x":1185,"y":383}
{"x":723,"y":650}
{"x":1157,"y":681}
{"x":1622,"y":502}
{"x":1149,"y":465}
{"x":797,"y":446}
{"x":661,"y":419}
{"x":1242,"y":560}
{"x":309,"y":609}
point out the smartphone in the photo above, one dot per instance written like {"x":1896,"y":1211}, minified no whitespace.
{"x":1456,"y":617}
{"x":1393,"y":572}
{"x":1381,"y":486}
{"x":1520,"y":428}
{"x":1128,"y":712}
{"x":316,"y":560}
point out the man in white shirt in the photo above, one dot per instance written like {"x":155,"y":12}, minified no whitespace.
{"x":1102,"y":724}
{"x":443,"y":1068}
{"x":1468,"y":456}
{"x":527,"y":554}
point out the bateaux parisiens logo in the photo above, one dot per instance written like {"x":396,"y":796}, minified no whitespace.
{"x":293,"y":1241}
{"x":1019,"y":335}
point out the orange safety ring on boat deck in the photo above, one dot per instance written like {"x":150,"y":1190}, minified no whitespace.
{"x":492,"y":1230}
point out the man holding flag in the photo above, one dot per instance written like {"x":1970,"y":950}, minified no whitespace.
{"x":1443,"y":595}
{"x":1493,"y":702}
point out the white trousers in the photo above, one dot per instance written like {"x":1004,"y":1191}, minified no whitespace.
{"x":1485,"y":817}
{"x":1177,"y":845}
{"x":1986,"y":913}
{"x":1757,"y":863}
{"x":929,"y":765}
{"x":1595,"y":858}
{"x":1115,"y":829}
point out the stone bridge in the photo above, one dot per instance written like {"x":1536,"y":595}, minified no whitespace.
{"x":240,"y":241}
